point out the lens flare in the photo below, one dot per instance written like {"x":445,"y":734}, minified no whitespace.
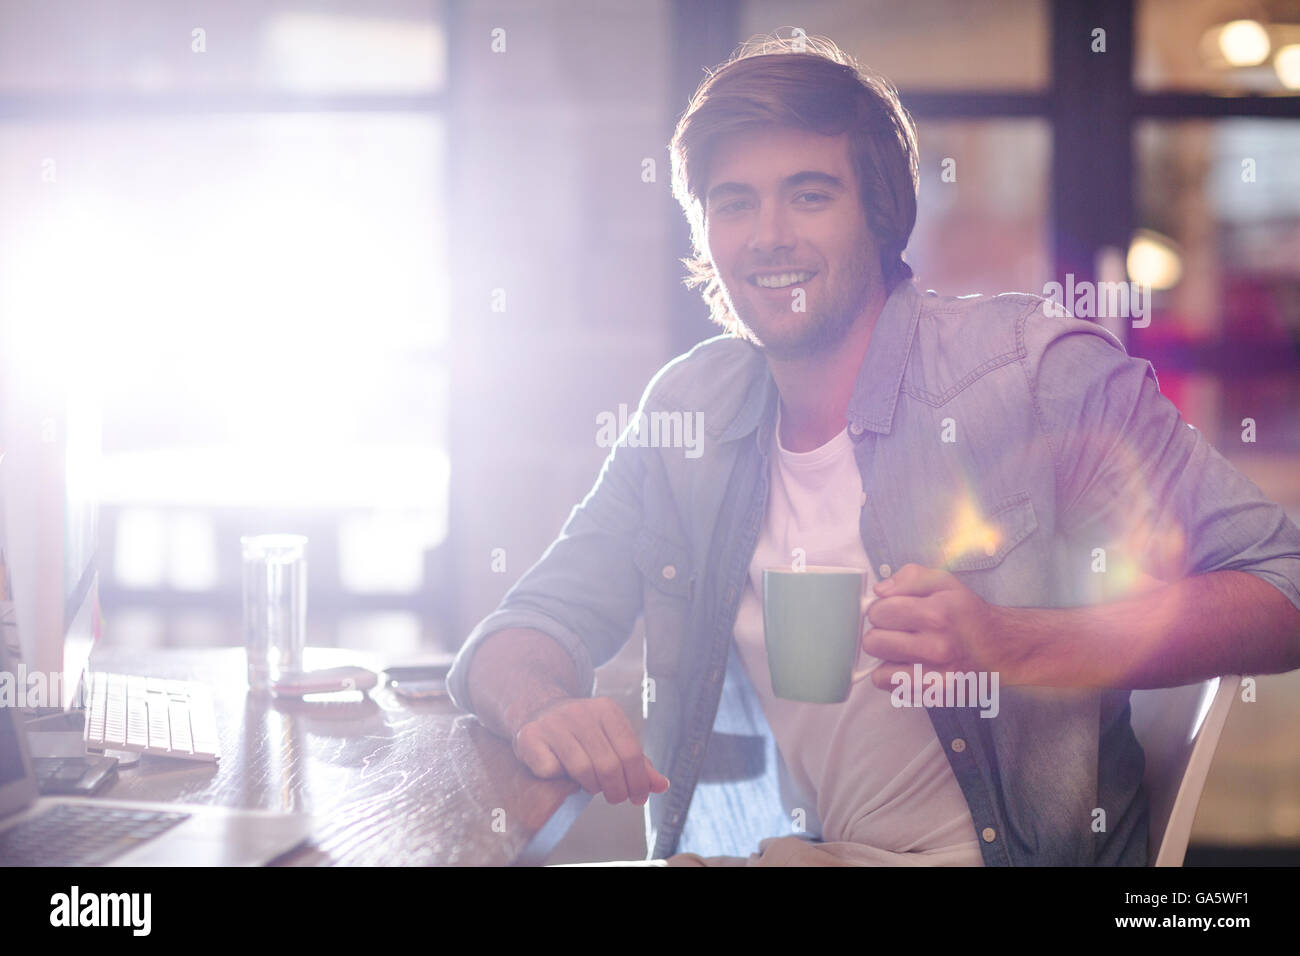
{"x":969,"y":533}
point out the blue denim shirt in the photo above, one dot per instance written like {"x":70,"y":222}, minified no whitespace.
{"x":1060,"y":443}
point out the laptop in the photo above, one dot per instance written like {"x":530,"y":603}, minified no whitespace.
{"x":88,"y":831}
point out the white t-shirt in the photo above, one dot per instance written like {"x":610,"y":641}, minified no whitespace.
{"x":868,"y":773}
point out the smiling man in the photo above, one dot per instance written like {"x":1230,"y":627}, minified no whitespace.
{"x":1021,"y":500}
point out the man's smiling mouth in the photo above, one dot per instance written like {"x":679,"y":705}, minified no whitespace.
{"x":780,"y":280}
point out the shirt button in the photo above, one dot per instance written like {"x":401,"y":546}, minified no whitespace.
{"x":670,"y":572}
{"x":855,"y":429}
{"x":958,"y":745}
{"x":695,"y":750}
{"x":864,"y":499}
{"x":886,"y":570}
{"x":989,"y":835}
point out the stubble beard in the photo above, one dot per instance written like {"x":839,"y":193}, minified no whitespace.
{"x":825,"y":329}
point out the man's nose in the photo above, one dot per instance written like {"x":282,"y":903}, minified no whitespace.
{"x":772,"y":229}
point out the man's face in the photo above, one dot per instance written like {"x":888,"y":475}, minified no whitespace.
{"x":783,"y":204}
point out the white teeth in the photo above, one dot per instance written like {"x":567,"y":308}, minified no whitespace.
{"x":783,"y":280}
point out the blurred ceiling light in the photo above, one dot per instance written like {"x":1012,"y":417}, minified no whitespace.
{"x":1287,"y":64}
{"x":1153,"y":260}
{"x":1239,"y":43}
{"x":314,"y":52}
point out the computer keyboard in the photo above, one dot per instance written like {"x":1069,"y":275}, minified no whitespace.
{"x":150,"y":715}
{"x":81,"y":835}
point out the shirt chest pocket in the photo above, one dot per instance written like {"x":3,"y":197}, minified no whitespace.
{"x":986,"y":542}
{"x":668,"y":585}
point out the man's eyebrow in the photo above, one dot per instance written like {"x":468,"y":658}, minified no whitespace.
{"x":811,"y":177}
{"x":727,"y":189}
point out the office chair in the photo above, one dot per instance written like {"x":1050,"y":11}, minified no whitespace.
{"x":1178,"y":728}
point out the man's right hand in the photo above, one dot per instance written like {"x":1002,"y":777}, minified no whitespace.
{"x":590,"y":740}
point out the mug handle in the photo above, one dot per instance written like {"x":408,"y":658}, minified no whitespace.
{"x":872,"y":662}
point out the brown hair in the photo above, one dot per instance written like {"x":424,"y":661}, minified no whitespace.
{"x":808,"y":83}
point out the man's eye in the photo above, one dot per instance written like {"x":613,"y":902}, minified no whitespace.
{"x":813,"y":197}
{"x":734,"y":206}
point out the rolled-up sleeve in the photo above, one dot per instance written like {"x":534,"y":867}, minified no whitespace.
{"x":585,"y":590}
{"x":1131,"y":473}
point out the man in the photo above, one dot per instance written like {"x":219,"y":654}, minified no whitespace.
{"x":1013,"y":485}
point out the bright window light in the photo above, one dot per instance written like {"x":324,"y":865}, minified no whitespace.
{"x":390,"y":635}
{"x":139,"y":557}
{"x":326,"y":51}
{"x":264,"y":297}
{"x":384,"y":551}
{"x":192,"y":564}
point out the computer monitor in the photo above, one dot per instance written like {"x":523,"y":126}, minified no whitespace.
{"x":50,"y":443}
{"x":17,"y":783}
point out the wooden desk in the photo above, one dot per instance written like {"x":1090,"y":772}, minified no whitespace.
{"x":389,"y":782}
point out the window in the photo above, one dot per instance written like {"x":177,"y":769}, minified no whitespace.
{"x":242,"y":206}
{"x":1218,"y":46}
{"x":945,"y":45}
{"x":981,"y":221}
{"x":1225,"y":338}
